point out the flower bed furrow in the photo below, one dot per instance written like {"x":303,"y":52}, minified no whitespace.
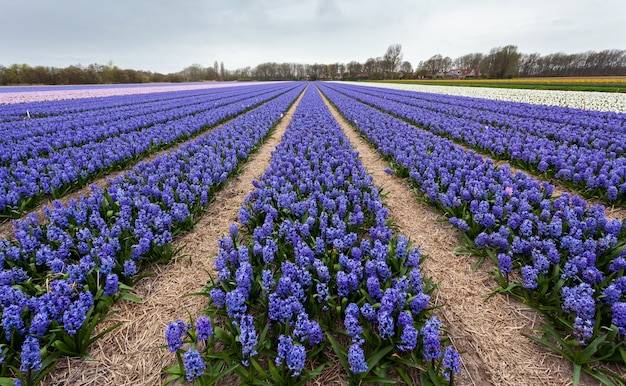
{"x":60,"y":277}
{"x":570,"y":260}
{"x":56,"y":173}
{"x":585,"y":150}
{"x":315,"y":265}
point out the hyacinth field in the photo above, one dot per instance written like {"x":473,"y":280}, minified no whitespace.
{"x":314,"y":279}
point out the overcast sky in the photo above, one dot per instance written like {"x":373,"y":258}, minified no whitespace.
{"x":166,"y":36}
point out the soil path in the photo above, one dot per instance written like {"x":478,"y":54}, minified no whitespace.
{"x":133,"y":353}
{"x":487,"y":332}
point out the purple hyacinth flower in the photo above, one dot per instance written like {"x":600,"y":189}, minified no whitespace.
{"x":451,"y":362}
{"x":31,"y":355}
{"x":194,"y":364}
{"x":204,"y":329}
{"x":356,"y":359}
{"x":295,"y":359}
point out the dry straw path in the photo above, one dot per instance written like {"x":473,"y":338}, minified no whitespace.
{"x":133,"y":353}
{"x":7,"y":228}
{"x":487,"y":332}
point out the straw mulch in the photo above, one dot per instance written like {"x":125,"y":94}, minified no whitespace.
{"x":487,"y":332}
{"x":133,"y":354}
{"x":7,"y":228}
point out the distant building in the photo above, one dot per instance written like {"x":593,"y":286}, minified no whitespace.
{"x":457,"y":73}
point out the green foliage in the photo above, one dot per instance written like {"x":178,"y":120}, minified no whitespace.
{"x":606,"y":344}
{"x":223,"y":353}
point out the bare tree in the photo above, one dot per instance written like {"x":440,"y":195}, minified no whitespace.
{"x":341,"y":69}
{"x":393,"y":57}
{"x":529,"y":65}
{"x":331,"y":70}
{"x":406,"y":67}
{"x":354,"y":69}
{"x":369,"y":66}
{"x":503,"y":62}
{"x":437,"y":63}
{"x":193,"y":73}
{"x":469,"y":61}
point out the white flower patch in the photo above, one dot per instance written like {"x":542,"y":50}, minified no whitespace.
{"x":585,"y":100}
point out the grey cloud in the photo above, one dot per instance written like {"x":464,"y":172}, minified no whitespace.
{"x":166,"y":36}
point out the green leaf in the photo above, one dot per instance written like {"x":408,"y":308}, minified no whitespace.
{"x":101,"y":334}
{"x":407,"y":362}
{"x":223,"y":336}
{"x":379,"y":380}
{"x":47,"y":366}
{"x":174,"y":370}
{"x":241,"y":371}
{"x":405,"y":377}
{"x":263,"y":335}
{"x":213,"y":380}
{"x":63,"y":347}
{"x":598,"y":375}
{"x":130,"y":298}
{"x":310,"y":374}
{"x":591,"y":349}
{"x":171,"y":379}
{"x":258,"y":368}
{"x":340,"y":351}
{"x":620,"y":380}
{"x":432,"y":374}
{"x":551,"y":345}
{"x":273,"y":371}
{"x":378,"y":355}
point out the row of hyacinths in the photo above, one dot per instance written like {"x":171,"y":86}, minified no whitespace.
{"x":553,"y":252}
{"x":62,"y":109}
{"x":586,"y":150}
{"x":59,"y":277}
{"x":314,"y":265}
{"x":54,"y":93}
{"x":58,"y":149}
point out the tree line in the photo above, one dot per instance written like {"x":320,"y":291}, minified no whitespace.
{"x":499,"y":63}
{"x":507,"y":62}
{"x":78,"y":74}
